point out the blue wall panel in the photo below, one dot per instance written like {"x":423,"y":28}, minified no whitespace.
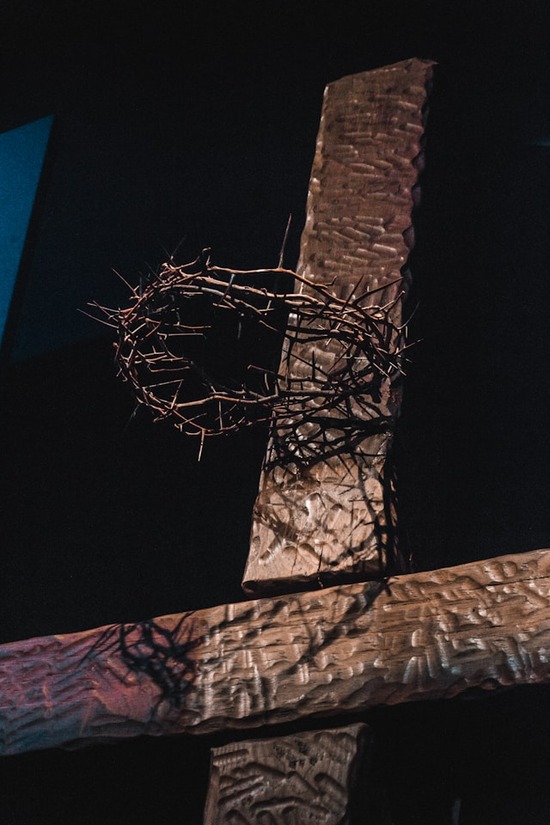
{"x":22,"y":153}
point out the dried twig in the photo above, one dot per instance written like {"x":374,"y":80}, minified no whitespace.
{"x":185,"y":344}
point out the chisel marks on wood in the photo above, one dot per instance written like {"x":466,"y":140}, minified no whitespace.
{"x":426,"y":635}
{"x":334,"y":519}
{"x":292,"y":780}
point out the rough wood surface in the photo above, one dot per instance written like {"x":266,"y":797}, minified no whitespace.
{"x":429,"y":635}
{"x":332,"y":519}
{"x":289,"y":780}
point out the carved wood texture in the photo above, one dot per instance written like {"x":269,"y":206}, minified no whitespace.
{"x":332,"y":519}
{"x":430,"y":635}
{"x":291,"y":780}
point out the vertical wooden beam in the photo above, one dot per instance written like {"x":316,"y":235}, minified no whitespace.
{"x":291,"y":780}
{"x":332,"y":519}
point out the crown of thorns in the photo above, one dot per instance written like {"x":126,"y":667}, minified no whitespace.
{"x":200,"y":346}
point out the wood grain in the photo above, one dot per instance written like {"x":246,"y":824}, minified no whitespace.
{"x":289,"y":780}
{"x":332,"y":520}
{"x":429,"y":635}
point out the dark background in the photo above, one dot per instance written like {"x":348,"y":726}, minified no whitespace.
{"x":180,"y":129}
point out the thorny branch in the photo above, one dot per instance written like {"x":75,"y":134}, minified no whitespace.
{"x":186,"y":341}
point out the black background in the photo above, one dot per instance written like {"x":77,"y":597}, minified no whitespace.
{"x":194,"y":125}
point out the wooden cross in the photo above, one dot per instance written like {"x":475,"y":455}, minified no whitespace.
{"x":329,"y":650}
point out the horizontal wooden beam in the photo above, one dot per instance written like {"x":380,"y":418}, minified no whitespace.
{"x":343,"y":649}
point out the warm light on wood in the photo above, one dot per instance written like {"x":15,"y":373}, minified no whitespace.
{"x":326,"y":511}
{"x":427,"y":635}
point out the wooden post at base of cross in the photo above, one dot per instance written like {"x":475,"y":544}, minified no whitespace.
{"x":309,"y":777}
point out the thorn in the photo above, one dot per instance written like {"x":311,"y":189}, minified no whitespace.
{"x":176,"y":249}
{"x":99,"y":320}
{"x":124,"y":281}
{"x":283,"y":246}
